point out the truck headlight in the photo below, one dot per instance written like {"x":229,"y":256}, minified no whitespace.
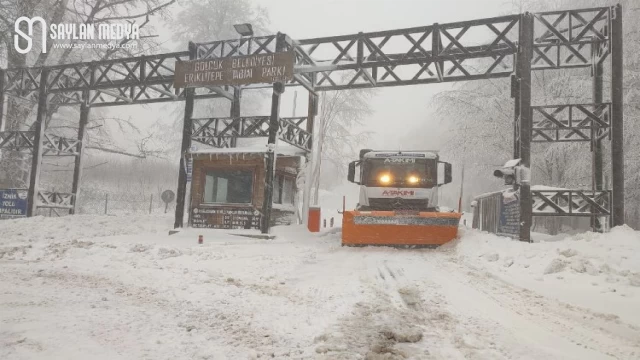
{"x":413,"y":179}
{"x":385,"y":179}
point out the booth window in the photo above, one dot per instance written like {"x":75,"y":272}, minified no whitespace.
{"x":283,"y":189}
{"x":228,"y":187}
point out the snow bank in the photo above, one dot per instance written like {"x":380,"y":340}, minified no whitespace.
{"x":39,"y":236}
{"x":598,"y":271}
{"x":121,"y":288}
{"x":330,"y":201}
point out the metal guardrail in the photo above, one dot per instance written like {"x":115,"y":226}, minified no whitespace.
{"x":486,"y":212}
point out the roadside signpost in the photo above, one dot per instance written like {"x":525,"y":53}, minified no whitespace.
{"x":167,"y":196}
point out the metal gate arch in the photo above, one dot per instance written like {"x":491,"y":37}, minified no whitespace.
{"x":516,"y":46}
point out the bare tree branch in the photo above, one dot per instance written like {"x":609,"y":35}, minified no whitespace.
{"x":114,"y":151}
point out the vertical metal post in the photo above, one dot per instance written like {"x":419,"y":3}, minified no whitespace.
{"x":186,"y":143}
{"x":515,"y":86}
{"x":312,"y":111}
{"x":2,"y":72}
{"x":40,"y":124}
{"x":274,"y":126}
{"x":77,"y":169}
{"x":597,"y":85}
{"x":617,"y":123}
{"x":235,"y":114}
{"x":461,"y":190}
{"x":524,"y":56}
{"x":515,"y":94}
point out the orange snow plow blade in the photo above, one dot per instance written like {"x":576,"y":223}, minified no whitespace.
{"x":393,"y":228}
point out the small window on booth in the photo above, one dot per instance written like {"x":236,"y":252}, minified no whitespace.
{"x":283,"y":189}
{"x":288,"y":191}
{"x":228,"y":187}
{"x":277,"y":190}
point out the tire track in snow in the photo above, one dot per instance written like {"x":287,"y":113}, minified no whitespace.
{"x":449,"y":333}
{"x":369,"y":330}
{"x":406,"y":308}
{"x":591,"y":334}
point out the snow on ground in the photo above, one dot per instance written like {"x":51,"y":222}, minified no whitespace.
{"x":106,"y":287}
{"x":598,"y":271}
{"x":331,"y":201}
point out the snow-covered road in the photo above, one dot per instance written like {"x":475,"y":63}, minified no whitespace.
{"x":120,"y":288}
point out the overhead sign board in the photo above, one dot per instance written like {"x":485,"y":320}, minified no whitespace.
{"x":237,"y":70}
{"x":13,"y":203}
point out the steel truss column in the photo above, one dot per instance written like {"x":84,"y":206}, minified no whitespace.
{"x":274,"y":126}
{"x":524,"y":56}
{"x":311,"y":116}
{"x":235,"y":114}
{"x":77,"y":169}
{"x":39,"y":127}
{"x":2,"y":73}
{"x":597,"y":85}
{"x":267,"y":205}
{"x":186,"y":144}
{"x":515,"y":94}
{"x":515,"y":83}
{"x":617,"y":123}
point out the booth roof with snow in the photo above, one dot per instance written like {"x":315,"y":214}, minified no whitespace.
{"x":227,"y":187}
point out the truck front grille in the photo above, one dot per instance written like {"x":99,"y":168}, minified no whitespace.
{"x":398,"y":204}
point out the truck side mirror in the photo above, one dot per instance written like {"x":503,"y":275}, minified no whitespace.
{"x":448,"y":177}
{"x":444,"y":173}
{"x":352,"y":172}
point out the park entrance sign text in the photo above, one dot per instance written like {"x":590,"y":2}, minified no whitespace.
{"x":238,"y":70}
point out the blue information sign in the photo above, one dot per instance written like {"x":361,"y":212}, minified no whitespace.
{"x":13,"y":203}
{"x":509,"y":217}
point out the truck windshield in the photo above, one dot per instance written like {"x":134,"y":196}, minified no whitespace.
{"x":400,"y":172}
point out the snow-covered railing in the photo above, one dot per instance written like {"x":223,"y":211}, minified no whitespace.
{"x":486,"y":212}
{"x":565,"y":202}
{"x":218,"y":132}
{"x":55,"y":200}
{"x":565,"y":36}
{"x":568,"y":123}
{"x":136,"y":80}
{"x":22,"y":141}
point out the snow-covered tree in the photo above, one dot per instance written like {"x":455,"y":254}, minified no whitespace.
{"x":20,"y":113}
{"x":203,"y":21}
{"x":341,"y":118}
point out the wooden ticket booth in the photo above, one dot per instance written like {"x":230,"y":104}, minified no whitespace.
{"x":227,"y":187}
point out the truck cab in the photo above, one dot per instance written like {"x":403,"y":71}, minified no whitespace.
{"x":399,"y":180}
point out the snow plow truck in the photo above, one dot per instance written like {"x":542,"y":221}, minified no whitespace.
{"x":398,"y":203}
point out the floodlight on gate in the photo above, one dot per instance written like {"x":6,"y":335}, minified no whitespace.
{"x":244,"y":29}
